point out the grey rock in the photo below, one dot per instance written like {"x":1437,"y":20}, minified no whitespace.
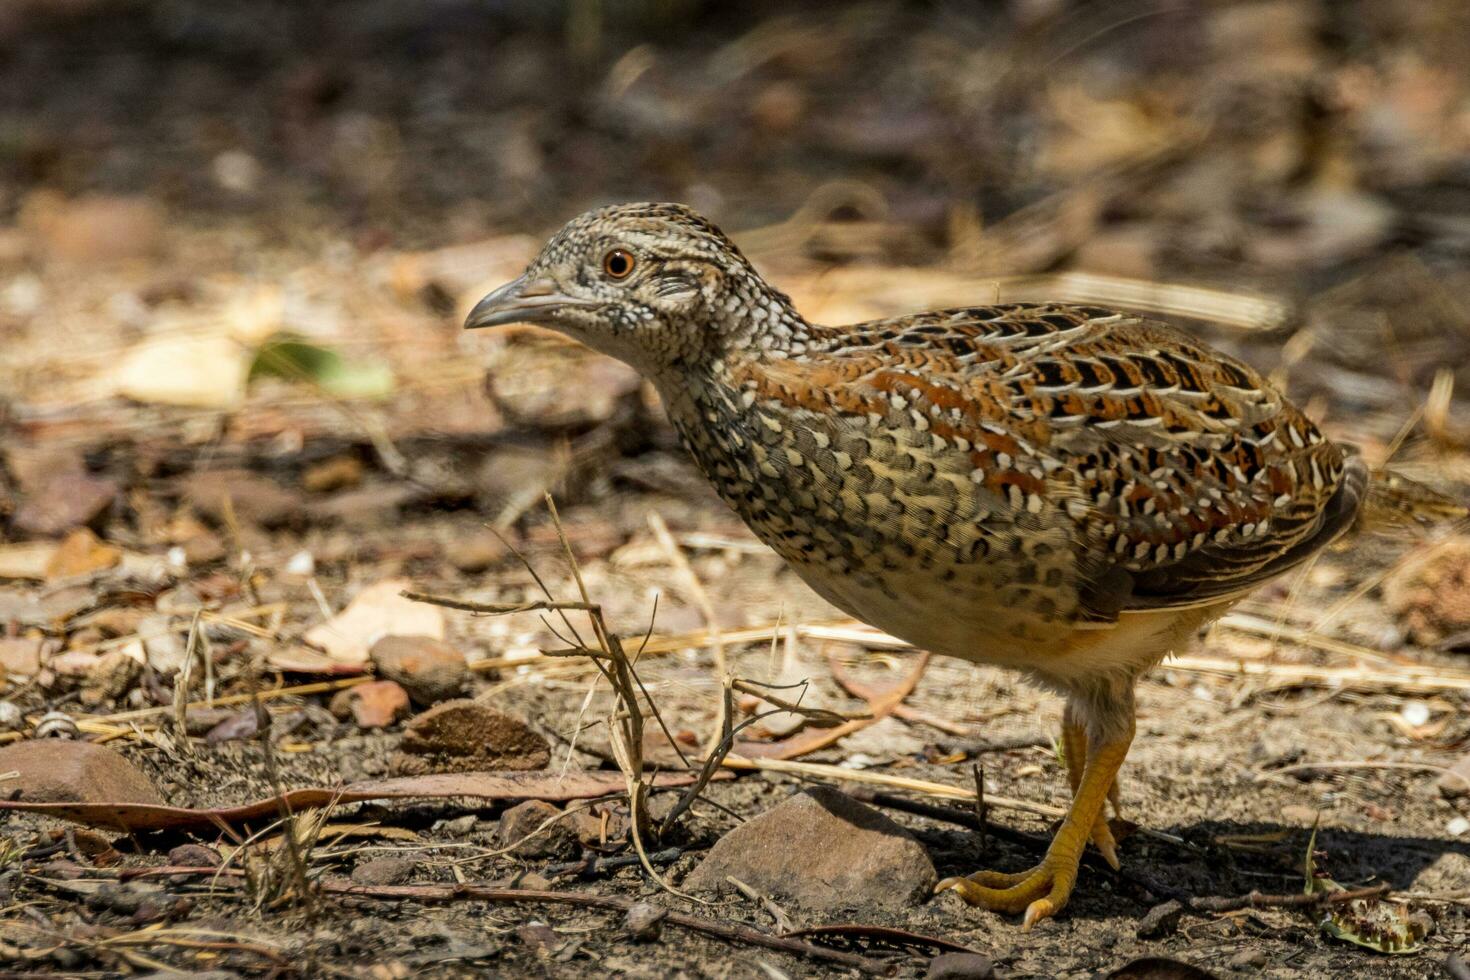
{"x":384,"y":871}
{"x":821,"y":850}
{"x":429,"y":670}
{"x":466,"y":736}
{"x":63,"y":771}
{"x":960,"y":966}
{"x":644,"y":921}
{"x":1456,"y":781}
{"x":521,"y":829}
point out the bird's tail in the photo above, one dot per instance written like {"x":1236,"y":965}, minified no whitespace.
{"x":1395,"y":501}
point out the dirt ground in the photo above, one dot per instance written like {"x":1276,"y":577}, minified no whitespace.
{"x":236,"y":244}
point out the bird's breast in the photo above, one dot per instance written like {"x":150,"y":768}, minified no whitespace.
{"x":884,"y":526}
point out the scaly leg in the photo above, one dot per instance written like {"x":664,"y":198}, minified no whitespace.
{"x":1044,"y":890}
{"x":1074,"y":754}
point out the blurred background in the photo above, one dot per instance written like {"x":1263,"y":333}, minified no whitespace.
{"x":238,"y":239}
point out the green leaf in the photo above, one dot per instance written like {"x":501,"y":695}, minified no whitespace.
{"x":293,"y":359}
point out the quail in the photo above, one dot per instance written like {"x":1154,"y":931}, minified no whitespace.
{"x":1068,"y":491}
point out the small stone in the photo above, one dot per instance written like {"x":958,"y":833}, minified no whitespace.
{"x":203,"y":548}
{"x":62,"y":500}
{"x":192,"y":367}
{"x":1457,"y":826}
{"x":376,"y":704}
{"x":301,"y":564}
{"x":20,"y":657}
{"x":164,"y":642}
{"x":599,"y":826}
{"x":1456,"y":782}
{"x":466,"y":736}
{"x":524,"y":829}
{"x":116,"y":621}
{"x":1161,"y":920}
{"x":960,"y":966}
{"x":240,"y":724}
{"x":385,"y":871}
{"x":458,"y":826}
{"x":824,"y":851}
{"x":245,"y":497}
{"x":61,"y":771}
{"x":476,"y":551}
{"x":430,"y":670}
{"x":194,"y":856}
{"x":198,"y":721}
{"x":11,"y":717}
{"x":377,"y":611}
{"x":112,"y":676}
{"x":1248,"y":959}
{"x":644,"y":921}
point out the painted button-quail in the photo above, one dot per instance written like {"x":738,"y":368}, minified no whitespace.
{"x":1065,"y":490}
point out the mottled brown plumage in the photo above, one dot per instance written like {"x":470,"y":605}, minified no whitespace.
{"x":1068,"y":491}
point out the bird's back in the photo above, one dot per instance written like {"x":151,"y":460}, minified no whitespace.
{"x":1044,"y":467}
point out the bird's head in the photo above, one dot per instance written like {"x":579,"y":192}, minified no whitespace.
{"x":655,"y":285}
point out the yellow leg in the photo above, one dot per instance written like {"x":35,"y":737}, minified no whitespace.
{"x":1074,"y":754}
{"x":1044,"y":890}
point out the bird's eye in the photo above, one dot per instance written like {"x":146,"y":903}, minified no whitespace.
{"x":618,"y":263}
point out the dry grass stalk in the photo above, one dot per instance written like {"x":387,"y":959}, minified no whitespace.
{"x":289,"y":883}
{"x":816,"y":770}
{"x":719,"y":752}
{"x":696,"y":592}
{"x":625,"y":725}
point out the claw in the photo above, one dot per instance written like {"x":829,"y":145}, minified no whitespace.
{"x":1040,"y":909}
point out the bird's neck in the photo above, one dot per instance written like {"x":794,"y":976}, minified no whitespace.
{"x":754,"y":319}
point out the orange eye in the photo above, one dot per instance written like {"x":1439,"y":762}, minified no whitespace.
{"x":618,"y":264}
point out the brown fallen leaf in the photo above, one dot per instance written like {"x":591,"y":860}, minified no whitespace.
{"x":880,"y":706}
{"x":81,"y":553}
{"x":379,"y":610}
{"x":477,"y":785}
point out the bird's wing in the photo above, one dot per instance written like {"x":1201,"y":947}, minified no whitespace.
{"x":1187,"y":476}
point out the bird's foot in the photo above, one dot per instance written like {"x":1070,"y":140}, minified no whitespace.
{"x":1040,"y":892}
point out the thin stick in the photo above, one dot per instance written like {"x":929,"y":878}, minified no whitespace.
{"x":1255,"y":900}
{"x":818,"y":770}
{"x":501,"y":608}
{"x":809,"y":742}
{"x":1354,"y":764}
{"x":696,"y":591}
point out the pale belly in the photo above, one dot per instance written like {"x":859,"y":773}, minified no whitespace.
{"x":973,"y":616}
{"x":968,"y":618}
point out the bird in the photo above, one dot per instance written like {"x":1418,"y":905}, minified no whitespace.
{"x":1068,"y":491}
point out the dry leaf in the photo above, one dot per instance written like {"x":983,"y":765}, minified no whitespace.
{"x":378,"y":611}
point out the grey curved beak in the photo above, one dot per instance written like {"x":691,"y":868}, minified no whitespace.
{"x":519,"y":301}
